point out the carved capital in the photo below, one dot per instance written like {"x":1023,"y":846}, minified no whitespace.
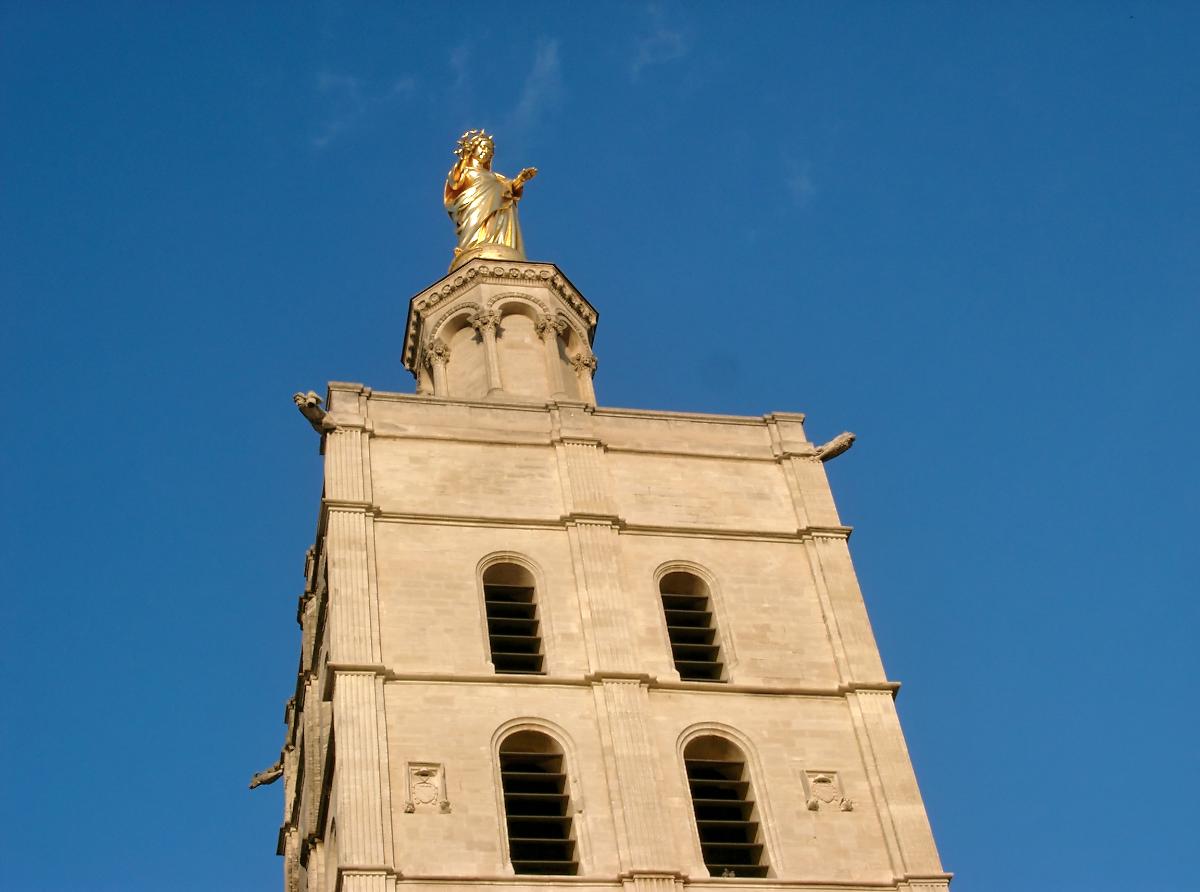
{"x":550,"y":326}
{"x":484,"y":320}
{"x":436,"y":353}
{"x":582,"y":362}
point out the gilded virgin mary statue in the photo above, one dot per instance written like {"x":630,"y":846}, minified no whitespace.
{"x":482,"y":203}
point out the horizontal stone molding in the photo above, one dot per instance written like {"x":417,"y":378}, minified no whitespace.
{"x":652,"y":682}
{"x":534,"y":405}
{"x":346,"y":505}
{"x":467,"y":520}
{"x":580,"y":518}
{"x":628,"y":677}
{"x":816,"y":885}
{"x":826,"y":532}
{"x":745,"y":420}
{"x":655,"y":875}
{"x":636,"y":529}
{"x":333,"y":670}
{"x":501,"y":438}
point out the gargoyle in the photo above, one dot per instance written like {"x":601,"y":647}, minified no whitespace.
{"x":309,"y":405}
{"x":269,"y":776}
{"x":836,"y":446}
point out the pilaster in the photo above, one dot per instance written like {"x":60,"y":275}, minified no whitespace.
{"x":849,"y":627}
{"x":893,"y":783}
{"x":314,"y":758}
{"x":588,"y":491}
{"x":314,"y":869}
{"x":352,"y":639}
{"x":291,"y":860}
{"x":652,"y":882}
{"x":365,"y":880}
{"x":596,"y":555}
{"x":353,"y":634}
{"x":644,"y":849}
{"x":361,"y":789}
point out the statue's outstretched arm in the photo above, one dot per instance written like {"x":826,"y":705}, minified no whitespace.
{"x":517,"y":185}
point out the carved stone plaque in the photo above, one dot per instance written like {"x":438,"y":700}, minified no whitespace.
{"x":825,"y":792}
{"x":426,"y":788}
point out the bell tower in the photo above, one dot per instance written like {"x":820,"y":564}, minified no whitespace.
{"x":548,"y":645}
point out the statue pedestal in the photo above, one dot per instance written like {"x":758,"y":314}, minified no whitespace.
{"x":485,"y":252}
{"x":500,"y":328}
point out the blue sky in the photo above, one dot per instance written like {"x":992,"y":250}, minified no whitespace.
{"x":968,"y":232}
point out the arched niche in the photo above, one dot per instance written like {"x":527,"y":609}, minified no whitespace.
{"x":520,"y":351}
{"x":466,"y":367}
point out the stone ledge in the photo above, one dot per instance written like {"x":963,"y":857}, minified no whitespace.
{"x":636,"y":529}
{"x":593,"y":678}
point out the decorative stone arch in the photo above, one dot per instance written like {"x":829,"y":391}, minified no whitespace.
{"x":452,"y":319}
{"x":567,"y":348}
{"x":535,"y":306}
{"x":527,"y":351}
{"x":724,"y":628}
{"x":496,"y":558}
{"x":758,"y":786}
{"x":562,"y":739}
{"x":446,"y":344}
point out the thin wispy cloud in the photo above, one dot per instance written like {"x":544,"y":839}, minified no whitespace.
{"x":459,"y":58}
{"x":350,"y":100}
{"x":798,"y":182}
{"x":541,"y":92}
{"x":663,"y":41}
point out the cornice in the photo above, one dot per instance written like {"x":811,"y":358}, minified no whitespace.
{"x":527,"y":881}
{"x":461,"y":520}
{"x":652,"y":682}
{"x":480,"y":271}
{"x":759,"y":421}
{"x":346,"y":505}
{"x":744,"y":420}
{"x":386,"y":431}
{"x":625,"y":527}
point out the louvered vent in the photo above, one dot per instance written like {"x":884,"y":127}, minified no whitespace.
{"x":537,"y":806}
{"x":514,"y":631}
{"x":695,"y":646}
{"x":730,"y":838}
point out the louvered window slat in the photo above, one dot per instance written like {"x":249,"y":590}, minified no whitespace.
{"x":514,"y":632}
{"x":726,"y":821}
{"x":538,"y":815}
{"x":695,"y":647}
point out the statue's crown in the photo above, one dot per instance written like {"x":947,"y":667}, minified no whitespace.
{"x":470,"y":139}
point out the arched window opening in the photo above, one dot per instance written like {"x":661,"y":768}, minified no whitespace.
{"x":695,"y":645}
{"x":537,"y":805}
{"x":514,"y":628}
{"x":726,"y":818}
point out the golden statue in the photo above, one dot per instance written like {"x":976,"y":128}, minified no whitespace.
{"x":482,"y":203}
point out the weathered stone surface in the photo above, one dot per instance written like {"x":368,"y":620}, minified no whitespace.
{"x":503,"y":456}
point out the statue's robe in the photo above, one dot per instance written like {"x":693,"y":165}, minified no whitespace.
{"x":483,"y":210}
